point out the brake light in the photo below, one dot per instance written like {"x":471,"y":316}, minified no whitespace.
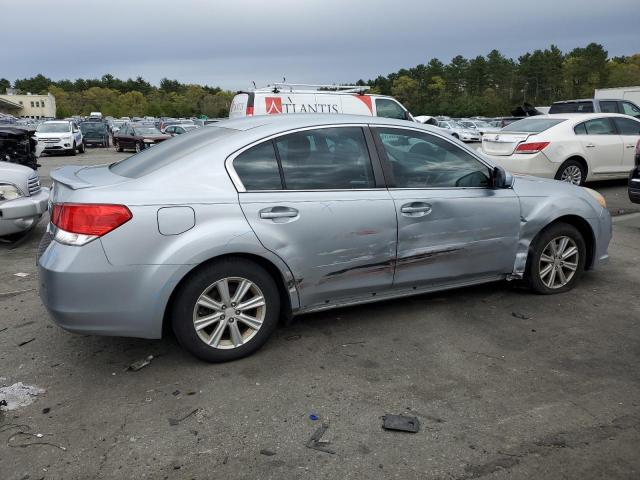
{"x":80,"y":223}
{"x":249,"y":111}
{"x":533,"y":147}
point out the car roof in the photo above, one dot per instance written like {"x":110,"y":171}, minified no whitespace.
{"x":574,"y":115}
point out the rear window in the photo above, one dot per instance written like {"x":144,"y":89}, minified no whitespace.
{"x":572,"y":107}
{"x":533,"y":125}
{"x":167,"y":152}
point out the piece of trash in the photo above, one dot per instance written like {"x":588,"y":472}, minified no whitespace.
{"x":3,"y":403}
{"x":15,"y":292}
{"x":21,"y":274}
{"x":24,"y":443}
{"x":521,"y":316}
{"x":175,"y":421}
{"x":353,"y":343}
{"x":135,"y":366}
{"x":401,"y":423}
{"x":266,"y":452}
{"x":22,"y":344}
{"x":313,"y":417}
{"x":292,"y":337}
{"x":46,"y":410}
{"x":19,"y":395}
{"x":176,"y":393}
{"x":316,"y":442}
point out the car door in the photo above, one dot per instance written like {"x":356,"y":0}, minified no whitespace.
{"x":122,"y":136}
{"x":312,"y":198}
{"x":601,"y":145}
{"x":629,"y":131}
{"x":452,"y":228}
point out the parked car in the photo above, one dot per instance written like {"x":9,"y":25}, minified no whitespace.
{"x":18,"y":144}
{"x":174,"y":130}
{"x":137,"y":137}
{"x":60,"y":136}
{"x":22,"y":200}
{"x":456,"y":130}
{"x":95,"y":133}
{"x":502,"y":122}
{"x":591,"y":105}
{"x":116,"y":125}
{"x":216,"y":233}
{"x":480,"y":126}
{"x":172,"y":121}
{"x":634,"y":178}
{"x":283,"y":98}
{"x":570,"y":147}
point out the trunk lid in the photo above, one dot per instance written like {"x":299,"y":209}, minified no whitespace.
{"x":68,"y":179}
{"x":502,"y":144}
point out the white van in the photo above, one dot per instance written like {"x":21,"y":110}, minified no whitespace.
{"x":283,"y":98}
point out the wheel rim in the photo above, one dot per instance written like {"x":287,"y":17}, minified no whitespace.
{"x":229,"y":313}
{"x":572,"y":174}
{"x":558,"y":262}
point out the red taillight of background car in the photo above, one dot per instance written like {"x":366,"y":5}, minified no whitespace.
{"x":249,"y":111}
{"x":533,"y":147}
{"x":89,"y":218}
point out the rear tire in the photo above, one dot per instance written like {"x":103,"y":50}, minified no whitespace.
{"x":556,"y":259}
{"x":138,"y":147}
{"x":226,"y":337}
{"x":572,"y":171}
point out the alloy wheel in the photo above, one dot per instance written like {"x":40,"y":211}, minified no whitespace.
{"x":558,"y":262}
{"x":229,"y":313}
{"x":572,"y":174}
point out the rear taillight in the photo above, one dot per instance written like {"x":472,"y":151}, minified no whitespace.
{"x":533,"y":147}
{"x":249,"y":111}
{"x":80,"y":223}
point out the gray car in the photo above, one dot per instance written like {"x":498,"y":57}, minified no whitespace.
{"x":22,"y":200}
{"x":219,"y":233}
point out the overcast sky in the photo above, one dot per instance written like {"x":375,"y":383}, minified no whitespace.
{"x":230,"y":43}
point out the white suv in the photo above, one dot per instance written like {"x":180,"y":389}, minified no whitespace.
{"x":303,"y":98}
{"x":60,"y":136}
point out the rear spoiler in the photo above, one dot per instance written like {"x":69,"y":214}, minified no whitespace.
{"x":67,"y":176}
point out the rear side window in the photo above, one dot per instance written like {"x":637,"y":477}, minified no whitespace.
{"x":533,"y":125}
{"x":326,"y":158}
{"x":599,"y":126}
{"x":607,"y":106}
{"x":572,"y":107}
{"x":389,"y":109}
{"x":257,"y":168}
{"x":580,"y":129}
{"x":627,"y":126}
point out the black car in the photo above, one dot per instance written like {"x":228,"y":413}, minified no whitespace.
{"x":634,"y":178}
{"x":18,"y":145}
{"x":95,"y":133}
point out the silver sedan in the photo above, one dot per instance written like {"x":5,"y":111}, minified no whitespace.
{"x":219,"y":233}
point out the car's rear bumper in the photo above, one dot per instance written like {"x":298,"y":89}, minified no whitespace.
{"x":22,"y":213}
{"x":84,"y":293}
{"x":535,"y":164}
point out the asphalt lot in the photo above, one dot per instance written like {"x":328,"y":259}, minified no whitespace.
{"x":506,"y":384}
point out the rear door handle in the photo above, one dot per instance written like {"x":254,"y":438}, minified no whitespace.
{"x":415,"y":209}
{"x":590,"y":145}
{"x":631,"y":145}
{"x":278,"y":212}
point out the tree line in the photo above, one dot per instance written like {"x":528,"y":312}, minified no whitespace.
{"x":490,"y":85}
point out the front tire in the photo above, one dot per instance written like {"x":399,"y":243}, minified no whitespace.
{"x":72,"y":152}
{"x":138,"y":147}
{"x":572,"y":171}
{"x":226,"y":310}
{"x":117,"y":145}
{"x":81,"y":148}
{"x":556,"y":259}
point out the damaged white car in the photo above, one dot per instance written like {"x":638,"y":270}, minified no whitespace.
{"x":22,"y":200}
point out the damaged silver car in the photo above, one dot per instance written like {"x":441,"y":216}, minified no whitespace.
{"x":219,"y":233}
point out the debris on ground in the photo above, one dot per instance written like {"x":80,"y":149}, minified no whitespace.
{"x":268,"y":453}
{"x":140,"y":364}
{"x":316,"y":442}
{"x":22,"y":344}
{"x":521,"y":316}
{"x":400,"y":423}
{"x":19,"y":395}
{"x":313,"y":417}
{"x":15,"y":292}
{"x":292,"y":337}
{"x":175,"y":421}
{"x":21,"y":274}
{"x":23,"y":442}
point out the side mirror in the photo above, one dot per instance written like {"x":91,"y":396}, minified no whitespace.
{"x":498,"y":178}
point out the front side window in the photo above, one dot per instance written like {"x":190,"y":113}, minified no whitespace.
{"x":630,"y":109}
{"x":599,"y":126}
{"x":326,"y":158}
{"x":257,"y":168}
{"x":627,"y":126}
{"x":422,"y":160}
{"x":389,"y":109}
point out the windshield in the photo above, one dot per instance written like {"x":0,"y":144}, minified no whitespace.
{"x":93,"y":127}
{"x":533,"y":125}
{"x":53,"y":128}
{"x":151,"y":159}
{"x":146,"y":131}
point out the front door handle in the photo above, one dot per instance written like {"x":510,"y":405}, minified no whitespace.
{"x":631,"y":145}
{"x":590,"y":145}
{"x":415,"y":209}
{"x":278,"y":212}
